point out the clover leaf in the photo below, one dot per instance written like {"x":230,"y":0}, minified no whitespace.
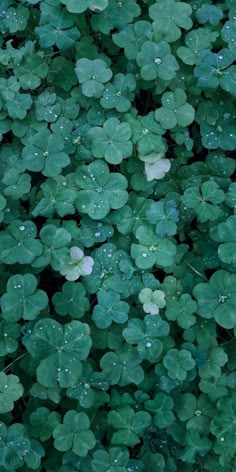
{"x":216,"y":358}
{"x":154,"y":460}
{"x":131,"y":37}
{"x":54,"y":242}
{"x":31,"y":71}
{"x":156,"y":60}
{"x":129,"y":425}
{"x":109,"y":308}
{"x":227,"y":33}
{"x":225,"y":233}
{"x":101,"y":190}
{"x":14,"y":446}
{"x":34,"y":456}
{"x":58,"y":31}
{"x":43,"y":423}
{"x":152,"y":300}
{"x":45,"y":153}
{"x":2,"y":206}
{"x":197,"y":41}
{"x":18,"y":107}
{"x":115,"y":15}
{"x":119,"y":94}
{"x":223,"y":424}
{"x":86,"y":388}
{"x":204,"y":202}
{"x":164,"y":215}
{"x":128,"y":218}
{"x":216,"y":70}
{"x":106,"y":265}
{"x":170,"y":17}
{"x":16,"y":19}
{"x":74,"y":434}
{"x":10,"y":391}
{"x":122,"y":367}
{"x":17,"y":185}
{"x":112,"y":141}
{"x":209,"y":13}
{"x":217,"y":299}
{"x":55,"y":200}
{"x":18,"y":243}
{"x":161,"y":407}
{"x":76,"y":264}
{"x":145,"y":333}
{"x":182,"y":311}
{"x":71,"y":301}
{"x":92,"y":75}
{"x":9,"y":333}
{"x":47,"y":107}
{"x":152,"y":249}
{"x":23,"y":299}
{"x":195,"y":445}
{"x":58,"y":351}
{"x":174,"y":110}
{"x":147,"y":134}
{"x":95,"y":5}
{"x":178,"y":363}
{"x":116,"y":459}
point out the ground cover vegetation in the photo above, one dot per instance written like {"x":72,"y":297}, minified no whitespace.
{"x":118,"y":236}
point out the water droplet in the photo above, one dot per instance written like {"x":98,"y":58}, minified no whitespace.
{"x":22,"y":228}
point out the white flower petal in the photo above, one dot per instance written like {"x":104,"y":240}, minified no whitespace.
{"x":157,"y":170}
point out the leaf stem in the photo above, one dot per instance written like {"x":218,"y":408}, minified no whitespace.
{"x":13,"y":362}
{"x":195,"y":270}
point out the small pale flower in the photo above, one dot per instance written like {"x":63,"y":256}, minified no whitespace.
{"x":157,"y":170}
{"x":78,"y":265}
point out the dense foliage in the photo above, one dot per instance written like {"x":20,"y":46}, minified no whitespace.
{"x":118,"y":236}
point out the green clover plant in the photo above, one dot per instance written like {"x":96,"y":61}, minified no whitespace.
{"x":118,"y":236}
